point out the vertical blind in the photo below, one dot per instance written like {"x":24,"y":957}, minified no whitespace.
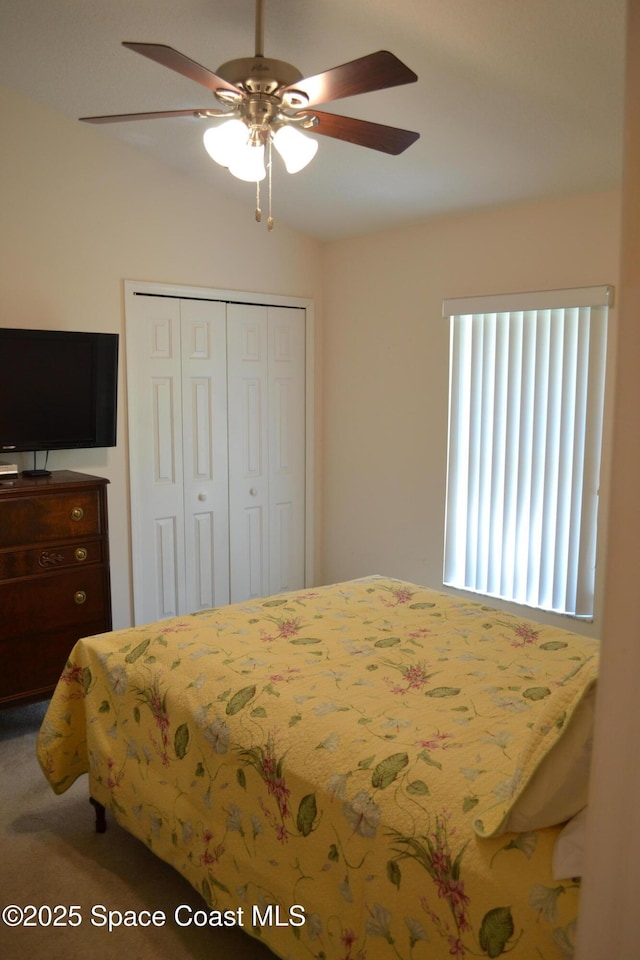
{"x":526,"y":397}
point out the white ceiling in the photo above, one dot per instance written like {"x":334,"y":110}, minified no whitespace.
{"x":515,"y":99}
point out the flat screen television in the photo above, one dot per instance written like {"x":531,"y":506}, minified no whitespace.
{"x":58,"y":390}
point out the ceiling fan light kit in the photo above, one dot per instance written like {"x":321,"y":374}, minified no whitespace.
{"x":233,"y":145}
{"x":265,"y":103}
{"x":240,"y":150}
{"x":295,"y":149}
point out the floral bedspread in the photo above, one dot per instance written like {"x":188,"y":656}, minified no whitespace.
{"x":327,"y":766}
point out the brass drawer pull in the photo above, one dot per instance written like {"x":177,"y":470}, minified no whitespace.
{"x":77,"y":513}
{"x":79,"y":597}
{"x":80,"y":554}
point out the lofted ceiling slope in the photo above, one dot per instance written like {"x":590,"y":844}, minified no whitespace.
{"x":516,"y":100}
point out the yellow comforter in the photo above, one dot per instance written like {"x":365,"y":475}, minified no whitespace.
{"x":333,"y":767}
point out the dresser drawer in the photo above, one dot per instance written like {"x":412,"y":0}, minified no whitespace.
{"x":32,"y":667}
{"x":34,"y":561}
{"x":75,"y":598}
{"x":54,"y":577}
{"x":51,"y":517}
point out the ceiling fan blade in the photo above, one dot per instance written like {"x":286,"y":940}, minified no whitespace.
{"x":168,"y":57}
{"x":376,"y":71}
{"x":364,"y":133}
{"x":155,"y":115}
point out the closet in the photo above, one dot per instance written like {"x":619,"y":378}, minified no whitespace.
{"x":217,"y":444}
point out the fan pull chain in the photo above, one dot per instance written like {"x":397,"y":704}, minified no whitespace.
{"x":258,"y":210}
{"x":269,"y":165}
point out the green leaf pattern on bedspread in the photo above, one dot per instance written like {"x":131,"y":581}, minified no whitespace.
{"x":350,"y":749}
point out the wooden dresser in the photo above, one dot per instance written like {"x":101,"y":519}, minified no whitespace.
{"x":54,"y":577}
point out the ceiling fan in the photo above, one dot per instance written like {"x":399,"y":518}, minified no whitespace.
{"x":268,"y":102}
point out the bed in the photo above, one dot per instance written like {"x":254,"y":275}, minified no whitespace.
{"x":369,"y":770}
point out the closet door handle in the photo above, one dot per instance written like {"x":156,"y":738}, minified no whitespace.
{"x":253,"y":491}
{"x":202,"y":496}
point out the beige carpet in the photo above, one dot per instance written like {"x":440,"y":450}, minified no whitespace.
{"x":50,"y":855}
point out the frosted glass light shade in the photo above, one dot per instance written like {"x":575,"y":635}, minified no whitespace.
{"x":295,"y":149}
{"x":223,"y":142}
{"x":229,"y":145}
{"x":248,"y":163}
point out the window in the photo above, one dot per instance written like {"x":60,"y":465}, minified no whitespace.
{"x":526,"y":395}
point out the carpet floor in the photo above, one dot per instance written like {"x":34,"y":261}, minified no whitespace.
{"x":50,"y":855}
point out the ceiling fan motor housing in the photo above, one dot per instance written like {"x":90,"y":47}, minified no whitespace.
{"x":261,"y":79}
{"x":260,"y":74}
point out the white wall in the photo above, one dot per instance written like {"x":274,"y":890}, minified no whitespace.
{"x":386,"y":351}
{"x":608,"y":925}
{"x":81,"y":214}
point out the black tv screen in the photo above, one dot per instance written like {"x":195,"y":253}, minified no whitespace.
{"x":58,"y":389}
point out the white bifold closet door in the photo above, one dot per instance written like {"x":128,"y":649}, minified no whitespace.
{"x":217,"y":452}
{"x":266,"y":416}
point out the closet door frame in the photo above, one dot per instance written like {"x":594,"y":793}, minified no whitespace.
{"x":179,"y":291}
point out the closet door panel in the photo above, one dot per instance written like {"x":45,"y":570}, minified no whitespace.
{"x":166,"y":568}
{"x":205,"y":459}
{"x":155,"y":441}
{"x":248,"y":418}
{"x":286,"y":378}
